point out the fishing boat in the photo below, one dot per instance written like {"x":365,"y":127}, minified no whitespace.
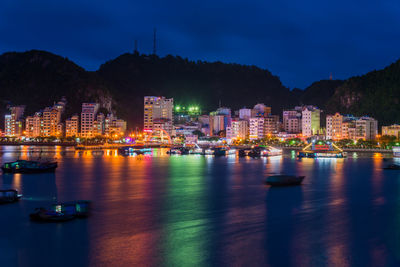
{"x":29,"y":166}
{"x":317,"y":150}
{"x":223,"y":151}
{"x":392,"y":167}
{"x":9,"y":196}
{"x":284,"y":180}
{"x":61,"y":212}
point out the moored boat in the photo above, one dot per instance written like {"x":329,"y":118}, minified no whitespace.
{"x":9,"y":196}
{"x":61,"y":212}
{"x":29,"y":166}
{"x":129,"y":150}
{"x":284,"y":180}
{"x":317,"y":150}
{"x":224,"y":151}
{"x":392,"y":167}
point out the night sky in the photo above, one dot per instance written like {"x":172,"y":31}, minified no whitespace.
{"x":299,"y":41}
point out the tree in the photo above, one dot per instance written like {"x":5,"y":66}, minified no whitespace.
{"x":198,"y":133}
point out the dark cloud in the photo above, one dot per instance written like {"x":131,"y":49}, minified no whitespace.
{"x":300,"y":41}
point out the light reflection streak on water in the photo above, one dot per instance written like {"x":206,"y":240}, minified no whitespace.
{"x":337,"y":238}
{"x":184,"y":218}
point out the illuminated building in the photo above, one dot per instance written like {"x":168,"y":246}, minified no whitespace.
{"x":114,"y":126}
{"x":392,"y":130}
{"x":271,"y":124}
{"x":163,"y":124}
{"x":310,"y":121}
{"x":187,"y":129}
{"x":121,"y":125}
{"x":13,"y":122}
{"x":220,"y":120}
{"x":98,"y":125}
{"x":366,"y":128}
{"x":72,"y":126}
{"x":239,"y":129}
{"x":51,"y":119}
{"x":217,"y":123}
{"x":256,"y":128}
{"x":88,"y":115}
{"x":334,"y":127}
{"x":33,"y":125}
{"x":157,"y":108}
{"x":291,"y":121}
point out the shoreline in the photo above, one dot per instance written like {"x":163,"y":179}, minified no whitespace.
{"x":116,"y":146}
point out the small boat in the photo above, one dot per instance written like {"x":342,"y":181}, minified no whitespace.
{"x":178,"y":151}
{"x":255,"y":153}
{"x":284,"y":180}
{"x":129,"y":150}
{"x":242,"y":153}
{"x":392,"y":167}
{"x":223,"y":151}
{"x":29,"y":166}
{"x":9,"y":196}
{"x":61,"y":212}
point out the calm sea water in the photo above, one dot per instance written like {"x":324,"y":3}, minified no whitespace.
{"x":203,"y":211}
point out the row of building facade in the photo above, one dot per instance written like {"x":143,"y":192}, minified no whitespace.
{"x":259,"y":122}
{"x":48,"y":122}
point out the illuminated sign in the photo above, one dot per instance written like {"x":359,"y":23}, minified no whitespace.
{"x":322,"y":147}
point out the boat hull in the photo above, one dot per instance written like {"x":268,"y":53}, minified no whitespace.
{"x":29,"y":170}
{"x":9,"y":196}
{"x":284,"y":180}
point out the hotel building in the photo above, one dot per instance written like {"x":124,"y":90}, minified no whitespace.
{"x":156,"y":108}
{"x":334,"y":127}
{"x":88,"y":115}
{"x":239,"y":129}
{"x":72,"y":126}
{"x":33,"y":125}
{"x":291,"y":121}
{"x":256,"y":128}
{"x":310,"y":121}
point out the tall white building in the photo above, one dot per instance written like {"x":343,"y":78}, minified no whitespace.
{"x":310,"y":121}
{"x":239,"y":129}
{"x":156,"y":108}
{"x":256,"y":128}
{"x":88,"y":116}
